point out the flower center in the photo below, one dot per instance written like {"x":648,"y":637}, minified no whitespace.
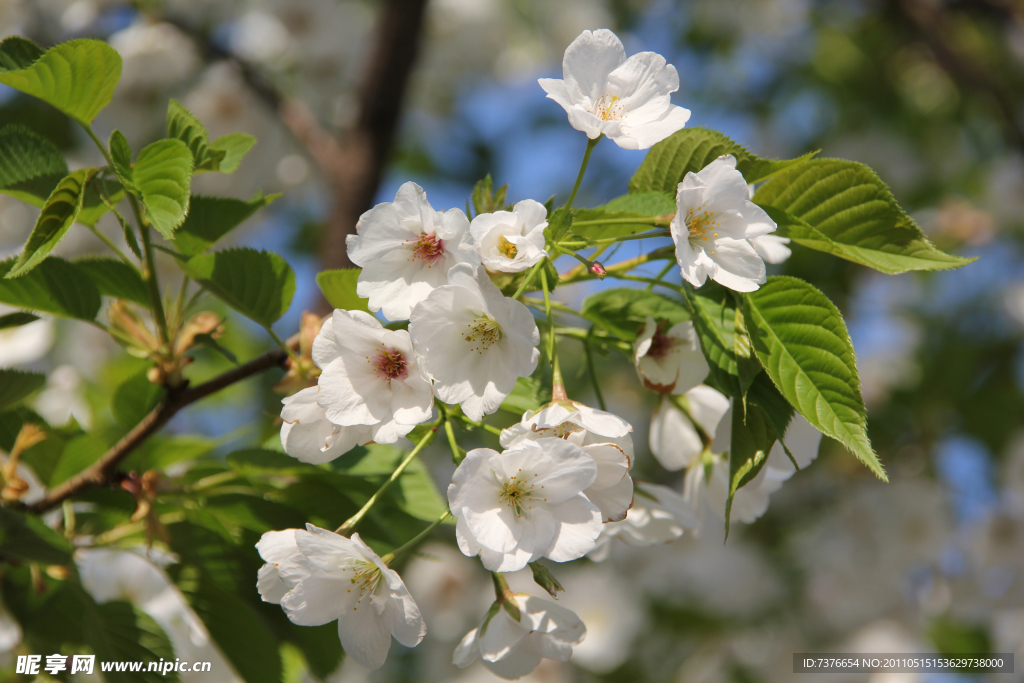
{"x":516,"y":493}
{"x":609,"y":108}
{"x":484,"y":332}
{"x":507,"y":248}
{"x":428,"y":248}
{"x":367,"y":576}
{"x":698,"y":221}
{"x":389,"y":364}
{"x":561,"y":431}
{"x":661,"y":345}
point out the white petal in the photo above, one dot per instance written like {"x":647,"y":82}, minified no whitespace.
{"x":673,"y":440}
{"x":467,"y":650}
{"x":580,"y":526}
{"x":771,"y":248}
{"x":739,"y":266}
{"x":364,"y":635}
{"x":501,"y":635}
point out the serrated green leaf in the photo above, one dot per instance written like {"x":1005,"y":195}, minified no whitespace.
{"x":257,"y":284}
{"x":801,"y":340}
{"x":691,"y":149}
{"x":17,"y":384}
{"x":239,"y":632}
{"x":624,"y":311}
{"x":115,"y":278}
{"x":27,"y":539}
{"x":56,"y":286}
{"x":162,"y":174}
{"x":56,"y":218}
{"x":339,"y":288}
{"x":210,"y":218}
{"x":525,"y":396}
{"x":121,"y":155}
{"x":843,"y":208}
{"x":120,"y":631}
{"x":414,"y":493}
{"x":182,"y":125}
{"x":16,"y":319}
{"x":134,"y":399}
{"x":644,"y":204}
{"x":77,"y":77}
{"x":485,"y":198}
{"x":235,"y":146}
{"x":30,"y":165}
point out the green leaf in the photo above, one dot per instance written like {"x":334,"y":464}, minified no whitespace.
{"x":235,"y":146}
{"x":801,"y":340}
{"x":120,"y":631}
{"x":16,"y":319}
{"x":239,"y":632}
{"x":714,"y":320}
{"x":30,"y":165}
{"x":602,"y":224}
{"x":17,"y":384}
{"x":93,"y":206}
{"x":26,"y":538}
{"x":339,"y":288}
{"x":77,"y":77}
{"x":525,"y":397}
{"x":134,"y":399}
{"x":182,"y":125}
{"x":121,"y":155}
{"x":643,"y":204}
{"x":257,"y":284}
{"x":162,"y":174}
{"x":115,"y":278}
{"x":691,"y":149}
{"x":56,"y":218}
{"x":843,"y":208}
{"x":56,"y":286}
{"x":624,"y":311}
{"x":486,"y":199}
{"x":79,"y":453}
{"x":414,"y":492}
{"x":752,"y":440}
{"x":210,"y":218}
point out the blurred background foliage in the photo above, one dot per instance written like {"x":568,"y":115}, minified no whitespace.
{"x":927,"y":92}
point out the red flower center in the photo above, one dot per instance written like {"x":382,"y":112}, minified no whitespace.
{"x":428,"y":248}
{"x":390,"y":364}
{"x":661,"y":345}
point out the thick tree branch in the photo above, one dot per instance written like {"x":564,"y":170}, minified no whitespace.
{"x":102,"y":471}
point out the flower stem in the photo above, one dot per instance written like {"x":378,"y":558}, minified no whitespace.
{"x":352,"y":521}
{"x":408,"y":545}
{"x":280,"y":342}
{"x":482,"y":425}
{"x":613,"y":240}
{"x":591,"y":144}
{"x":581,"y":273}
{"x":457,"y":455}
{"x":589,"y":352}
{"x":107,"y":241}
{"x":556,"y":377}
{"x":529,"y":278}
{"x":664,"y":271}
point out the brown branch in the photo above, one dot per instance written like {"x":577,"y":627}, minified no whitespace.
{"x":932,"y":23}
{"x":102,"y":471}
{"x":353,"y":166}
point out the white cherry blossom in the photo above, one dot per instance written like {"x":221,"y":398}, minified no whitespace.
{"x":318,"y":576}
{"x":473,"y":341}
{"x":659,"y":515}
{"x":673,"y":436}
{"x":669,"y":361}
{"x":512,"y":649}
{"x":714,"y":219}
{"x":25,"y":343}
{"x":515,"y":507}
{"x":405,"y":249}
{"x":511,"y":241}
{"x":628,"y":100}
{"x":607,"y":441}
{"x":307,"y":434}
{"x":370,"y":376}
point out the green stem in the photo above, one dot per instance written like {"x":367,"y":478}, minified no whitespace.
{"x":354,"y":520}
{"x":589,"y":352}
{"x":482,"y":425}
{"x":107,"y":241}
{"x":529,"y":278}
{"x":613,"y":240}
{"x":551,"y":320}
{"x":181,"y":297}
{"x":389,"y":558}
{"x":580,"y":273}
{"x":591,"y":144}
{"x":640,"y":220}
{"x":649,"y":280}
{"x":280,"y":342}
{"x":456,"y":451}
{"x":149,"y":274}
